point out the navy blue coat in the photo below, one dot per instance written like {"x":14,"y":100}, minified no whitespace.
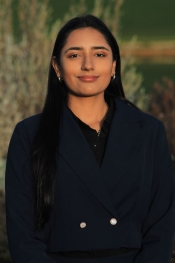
{"x":135,"y":185}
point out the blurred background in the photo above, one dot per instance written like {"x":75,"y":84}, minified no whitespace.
{"x":145,"y":31}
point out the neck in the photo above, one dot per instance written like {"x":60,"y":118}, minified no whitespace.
{"x":90,"y":110}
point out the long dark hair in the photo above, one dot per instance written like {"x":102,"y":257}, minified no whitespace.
{"x":46,"y":139}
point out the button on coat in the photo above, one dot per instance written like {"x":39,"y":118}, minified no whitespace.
{"x":113,"y":221}
{"x":82,"y":224}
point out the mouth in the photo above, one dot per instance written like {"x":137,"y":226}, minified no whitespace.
{"x":88,"y":78}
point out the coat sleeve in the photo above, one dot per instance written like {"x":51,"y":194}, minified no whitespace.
{"x":159,"y":226}
{"x":25,"y":244}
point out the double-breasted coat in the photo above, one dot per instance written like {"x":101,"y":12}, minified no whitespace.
{"x":134,"y":187}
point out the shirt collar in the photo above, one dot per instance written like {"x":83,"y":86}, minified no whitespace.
{"x":107,"y":121}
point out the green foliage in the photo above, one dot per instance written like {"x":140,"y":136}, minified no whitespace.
{"x":162,"y":105}
{"x":149,"y":20}
{"x":25,"y":64}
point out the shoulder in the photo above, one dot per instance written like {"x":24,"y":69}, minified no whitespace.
{"x":27,"y":127}
{"x":22,"y":137}
{"x":31,"y":121}
{"x":133,"y":115}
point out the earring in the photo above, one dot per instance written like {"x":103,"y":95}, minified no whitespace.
{"x":60,"y":79}
{"x":113,"y":77}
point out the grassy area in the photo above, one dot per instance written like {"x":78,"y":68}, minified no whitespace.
{"x":149,"y":20}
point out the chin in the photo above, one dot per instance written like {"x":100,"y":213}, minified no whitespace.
{"x":89,"y":93}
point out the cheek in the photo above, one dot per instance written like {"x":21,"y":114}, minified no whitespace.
{"x":106,"y":71}
{"x":70,"y":70}
{"x":105,"y":67}
{"x":105,"y":80}
{"x":66,"y":71}
{"x":69,"y":77}
{"x":66,"y":68}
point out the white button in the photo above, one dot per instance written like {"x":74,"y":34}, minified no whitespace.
{"x":82,"y":224}
{"x":113,"y":221}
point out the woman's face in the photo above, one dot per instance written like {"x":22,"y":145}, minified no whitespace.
{"x":86,"y":63}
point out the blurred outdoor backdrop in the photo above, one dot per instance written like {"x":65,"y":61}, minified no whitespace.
{"x":145,"y":31}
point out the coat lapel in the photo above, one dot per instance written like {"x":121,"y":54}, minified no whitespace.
{"x":77,"y":153}
{"x":124,"y":140}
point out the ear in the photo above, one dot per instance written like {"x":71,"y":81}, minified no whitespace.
{"x":113,"y":68}
{"x":55,"y":66}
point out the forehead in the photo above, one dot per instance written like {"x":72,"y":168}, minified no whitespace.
{"x":86,"y":37}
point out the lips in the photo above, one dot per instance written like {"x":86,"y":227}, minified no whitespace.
{"x":88,"y":78}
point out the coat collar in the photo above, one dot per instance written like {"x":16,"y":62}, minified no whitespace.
{"x":124,"y":140}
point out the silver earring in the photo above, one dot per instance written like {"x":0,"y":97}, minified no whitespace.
{"x":60,"y":79}
{"x":113,"y":77}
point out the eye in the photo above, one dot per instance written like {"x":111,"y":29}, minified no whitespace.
{"x":100,"y":55}
{"x":73,"y":56}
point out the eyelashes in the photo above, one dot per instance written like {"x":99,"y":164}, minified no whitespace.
{"x":101,"y":55}
{"x":73,"y":56}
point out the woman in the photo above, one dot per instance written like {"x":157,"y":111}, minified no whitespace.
{"x":90,"y":179}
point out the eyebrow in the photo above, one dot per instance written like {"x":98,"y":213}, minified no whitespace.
{"x":81,"y":48}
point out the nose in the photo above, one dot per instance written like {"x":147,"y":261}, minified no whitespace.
{"x":87,"y":63}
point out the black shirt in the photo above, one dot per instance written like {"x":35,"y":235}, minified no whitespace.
{"x":98,"y":143}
